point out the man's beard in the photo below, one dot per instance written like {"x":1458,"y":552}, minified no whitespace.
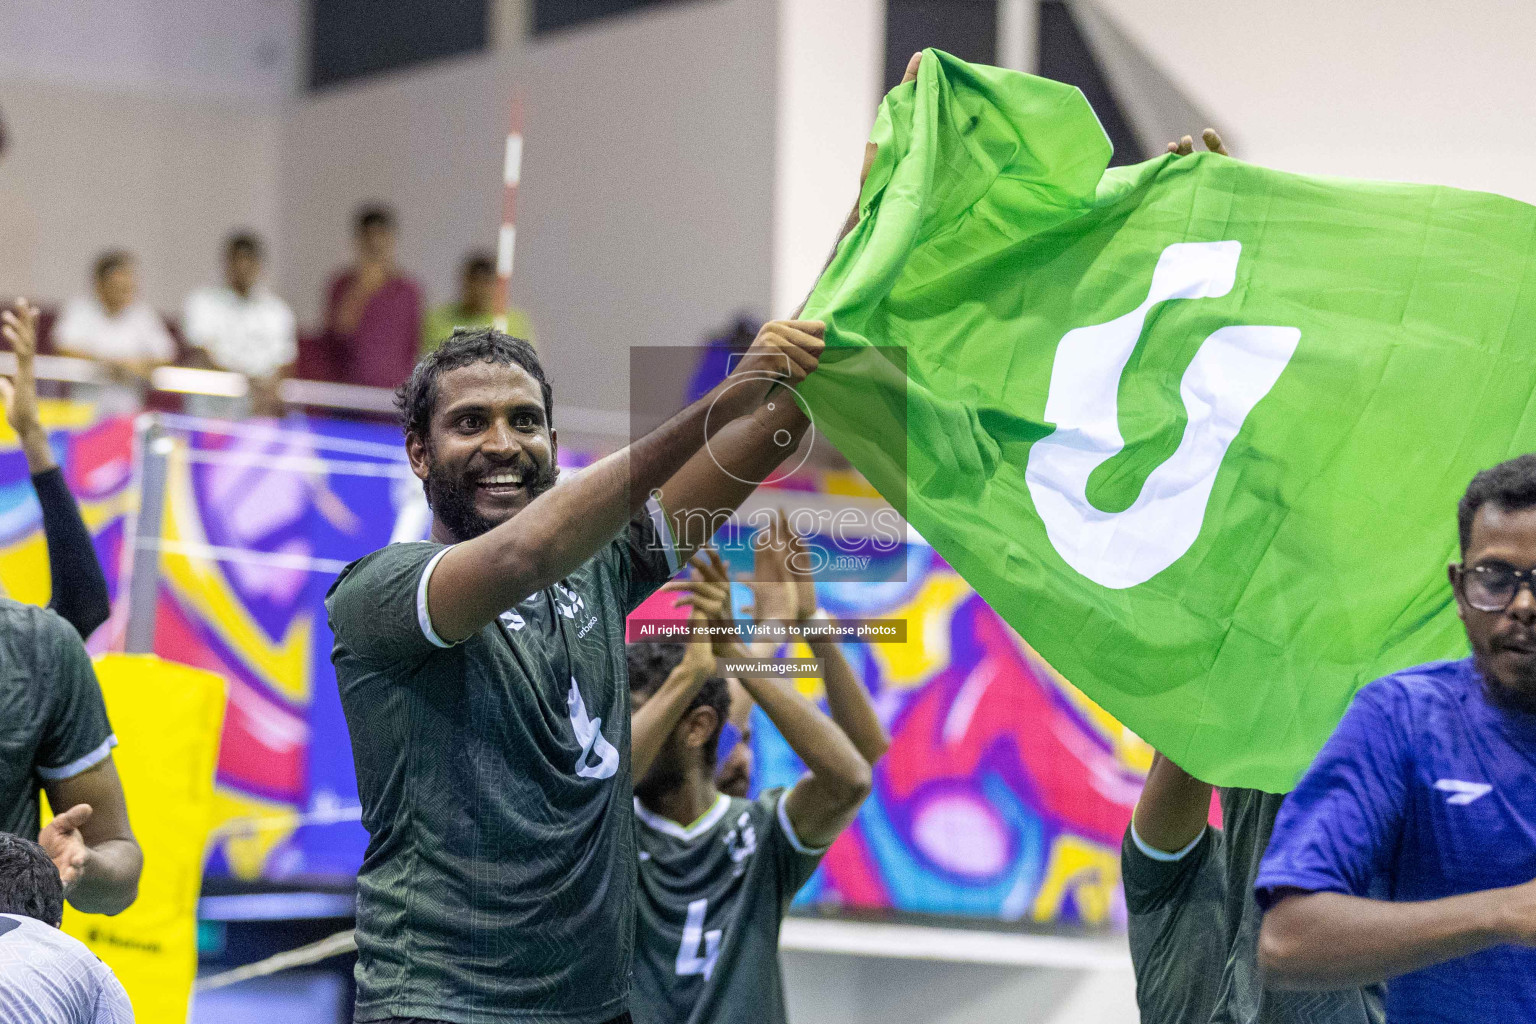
{"x":452,"y":497}
{"x":735,"y":783}
{"x":1519,"y":697}
{"x":665,"y":775}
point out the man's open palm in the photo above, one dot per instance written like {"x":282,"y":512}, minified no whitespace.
{"x":65,"y":844}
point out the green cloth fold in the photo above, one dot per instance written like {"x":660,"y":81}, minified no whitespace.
{"x":1195,"y":428}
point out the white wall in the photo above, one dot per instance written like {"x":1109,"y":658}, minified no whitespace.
{"x":424,"y":140}
{"x":247,"y":49}
{"x":166,"y":176}
{"x":151,"y":124}
{"x":824,"y":988}
{"x":831,"y":58}
{"x":1419,"y":90}
{"x":645,"y":207}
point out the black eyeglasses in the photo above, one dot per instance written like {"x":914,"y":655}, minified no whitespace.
{"x":1492,"y":588}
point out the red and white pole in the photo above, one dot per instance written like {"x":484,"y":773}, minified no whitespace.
{"x":506,"y":239}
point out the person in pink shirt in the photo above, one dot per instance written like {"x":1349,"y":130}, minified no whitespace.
{"x":372,"y":310}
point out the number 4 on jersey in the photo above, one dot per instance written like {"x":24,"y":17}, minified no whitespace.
{"x":695,"y":941}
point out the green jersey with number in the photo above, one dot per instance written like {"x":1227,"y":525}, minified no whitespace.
{"x":712,"y":897}
{"x":494,"y":780}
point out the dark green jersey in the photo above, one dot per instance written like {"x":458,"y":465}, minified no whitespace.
{"x":494,"y":777}
{"x":712,"y":897}
{"x":53,"y":723}
{"x":1194,"y":930}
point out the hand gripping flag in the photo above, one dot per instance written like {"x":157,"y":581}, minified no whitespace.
{"x":1195,"y":428}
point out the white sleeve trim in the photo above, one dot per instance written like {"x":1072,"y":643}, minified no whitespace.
{"x":789,"y":830}
{"x":663,"y":530}
{"x":1163,"y":855}
{"x":80,"y":764}
{"x":424,"y":617}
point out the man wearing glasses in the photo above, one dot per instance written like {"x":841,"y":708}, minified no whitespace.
{"x":1425,"y":796}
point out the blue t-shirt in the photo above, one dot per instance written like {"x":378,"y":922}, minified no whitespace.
{"x":1425,"y":790}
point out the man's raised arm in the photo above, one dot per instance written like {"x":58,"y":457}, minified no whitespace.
{"x":826,"y":800}
{"x":784,"y":589}
{"x":1173,"y":808}
{"x":714,"y":483}
{"x":478,"y":579}
{"x":654,"y":721}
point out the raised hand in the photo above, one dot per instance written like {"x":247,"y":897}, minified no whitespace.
{"x":870,"y":149}
{"x":787,"y":349}
{"x":698,"y":658}
{"x":64,"y":843}
{"x":799,"y":564}
{"x":18,"y":325}
{"x":1186,"y":145}
{"x":707,"y":591}
{"x":781,"y":585}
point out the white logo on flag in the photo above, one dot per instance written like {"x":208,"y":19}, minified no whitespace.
{"x":1234,"y":368}
{"x":589,"y":733}
{"x":1462,"y":792}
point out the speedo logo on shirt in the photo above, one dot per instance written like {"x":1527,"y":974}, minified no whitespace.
{"x":1462,"y":792}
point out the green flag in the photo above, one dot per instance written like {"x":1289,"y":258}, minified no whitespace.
{"x":1195,"y":428}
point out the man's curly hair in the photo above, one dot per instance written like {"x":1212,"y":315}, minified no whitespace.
{"x":416,"y":399}
{"x":1510,"y":486}
{"x":651,"y":661}
{"x":29,"y":882}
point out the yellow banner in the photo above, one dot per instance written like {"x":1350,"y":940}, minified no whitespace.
{"x":167,"y":718}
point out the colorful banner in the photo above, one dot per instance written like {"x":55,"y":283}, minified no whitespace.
{"x":97,"y":457}
{"x":1004,"y":795}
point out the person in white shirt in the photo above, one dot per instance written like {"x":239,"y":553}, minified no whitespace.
{"x":47,"y":977}
{"x":241,"y":326}
{"x":113,"y":326}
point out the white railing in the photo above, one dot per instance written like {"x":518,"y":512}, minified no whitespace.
{"x":85,"y":374}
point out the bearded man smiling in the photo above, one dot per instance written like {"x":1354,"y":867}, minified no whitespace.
{"x":483,"y":677}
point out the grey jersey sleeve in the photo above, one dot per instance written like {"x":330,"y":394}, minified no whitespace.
{"x":378,"y":605}
{"x":794,"y":861}
{"x":646,"y":557}
{"x":78,"y":735}
{"x":1154,"y":879}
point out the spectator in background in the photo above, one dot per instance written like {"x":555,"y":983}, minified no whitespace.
{"x":243,"y":327}
{"x":113,"y":326}
{"x":47,"y":977}
{"x":476,"y":306}
{"x":79,"y":586}
{"x":372,"y":310}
